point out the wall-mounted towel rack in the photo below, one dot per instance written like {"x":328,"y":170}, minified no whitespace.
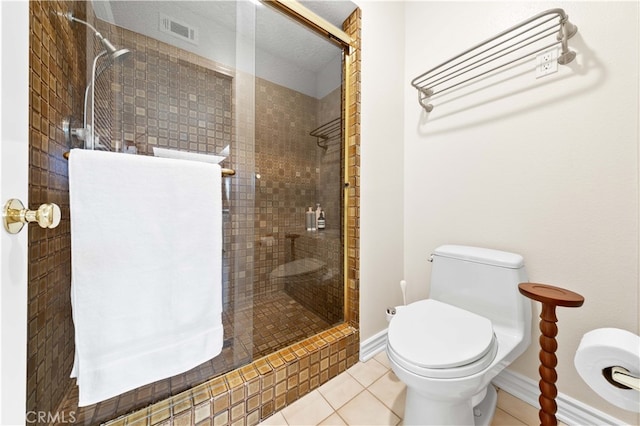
{"x":534,"y":35}
{"x":225,"y":172}
{"x":327,"y":132}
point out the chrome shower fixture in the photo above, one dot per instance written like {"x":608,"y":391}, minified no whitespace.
{"x":86,"y":133}
{"x":111,"y":49}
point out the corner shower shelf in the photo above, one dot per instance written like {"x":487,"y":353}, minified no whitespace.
{"x":327,"y":132}
{"x":521,"y":41}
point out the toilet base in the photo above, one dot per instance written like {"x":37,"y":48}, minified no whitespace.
{"x":483,"y":412}
{"x":423,"y":411}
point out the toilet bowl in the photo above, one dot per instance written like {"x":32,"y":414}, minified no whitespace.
{"x":448,"y":348}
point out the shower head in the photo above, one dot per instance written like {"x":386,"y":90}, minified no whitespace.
{"x":111,"y":59}
{"x":119,"y":54}
{"x":111,"y":49}
{"x":115,"y":55}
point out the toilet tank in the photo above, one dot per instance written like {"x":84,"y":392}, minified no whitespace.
{"x":483,"y":281}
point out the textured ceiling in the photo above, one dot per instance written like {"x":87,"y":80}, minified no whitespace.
{"x":310,"y":50}
{"x":334,"y":11}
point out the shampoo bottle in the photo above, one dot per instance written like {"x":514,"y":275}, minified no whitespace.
{"x":310,"y":220}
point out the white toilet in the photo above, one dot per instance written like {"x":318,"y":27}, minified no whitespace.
{"x":448,"y":348}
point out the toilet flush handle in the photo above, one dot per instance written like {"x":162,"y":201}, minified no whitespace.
{"x":430,"y":257}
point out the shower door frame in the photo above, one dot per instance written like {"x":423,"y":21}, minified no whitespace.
{"x":301,"y":14}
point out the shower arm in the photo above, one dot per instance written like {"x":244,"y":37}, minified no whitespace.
{"x":72,"y":18}
{"x":106,"y":43}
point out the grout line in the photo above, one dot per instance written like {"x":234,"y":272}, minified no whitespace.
{"x":365,"y":389}
{"x":335,"y":410}
{"x":281,"y":411}
{"x":384,"y":403}
{"x":325,"y":400}
{"x":342,"y":418}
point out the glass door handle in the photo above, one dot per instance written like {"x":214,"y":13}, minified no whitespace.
{"x":15,"y":215}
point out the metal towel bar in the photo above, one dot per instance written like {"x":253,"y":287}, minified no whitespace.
{"x":512,"y":45}
{"x":225,"y":172}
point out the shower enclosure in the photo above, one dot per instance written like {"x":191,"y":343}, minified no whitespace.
{"x":244,"y":82}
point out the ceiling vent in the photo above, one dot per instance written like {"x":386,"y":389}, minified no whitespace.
{"x":178,"y":29}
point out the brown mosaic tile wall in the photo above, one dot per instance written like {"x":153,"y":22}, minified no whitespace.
{"x":352,"y":26}
{"x":296,"y":174}
{"x":286,"y":162}
{"x":56,"y":91}
{"x":171,"y":102}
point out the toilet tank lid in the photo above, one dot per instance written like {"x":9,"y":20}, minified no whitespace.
{"x":481,"y":255}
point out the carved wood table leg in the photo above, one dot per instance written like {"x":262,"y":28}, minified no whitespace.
{"x":550,"y":297}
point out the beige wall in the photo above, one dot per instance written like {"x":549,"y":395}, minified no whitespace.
{"x":546,"y":168}
{"x":382,"y":135}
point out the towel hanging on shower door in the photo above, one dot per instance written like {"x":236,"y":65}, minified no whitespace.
{"x":146,"y":293}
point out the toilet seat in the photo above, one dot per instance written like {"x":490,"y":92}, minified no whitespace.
{"x":434,"y":339}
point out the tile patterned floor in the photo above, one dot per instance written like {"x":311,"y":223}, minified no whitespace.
{"x":370,"y":394}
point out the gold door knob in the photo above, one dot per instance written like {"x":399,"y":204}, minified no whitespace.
{"x":14,"y":216}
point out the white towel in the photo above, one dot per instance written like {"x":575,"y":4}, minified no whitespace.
{"x":146,"y":244}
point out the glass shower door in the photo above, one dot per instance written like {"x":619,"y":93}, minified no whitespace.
{"x":240,"y":81}
{"x":298,"y":289}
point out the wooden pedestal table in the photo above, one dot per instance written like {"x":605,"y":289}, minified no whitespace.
{"x":550,"y":297}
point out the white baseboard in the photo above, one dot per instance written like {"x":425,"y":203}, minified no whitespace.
{"x":373,"y":345}
{"x":570,"y":411}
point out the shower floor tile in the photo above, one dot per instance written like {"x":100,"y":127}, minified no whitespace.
{"x":274,"y":321}
{"x":280,"y":321}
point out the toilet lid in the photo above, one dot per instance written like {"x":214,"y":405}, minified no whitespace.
{"x":432,"y":334}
